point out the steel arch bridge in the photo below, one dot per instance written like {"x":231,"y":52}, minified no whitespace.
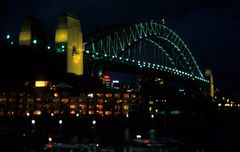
{"x":148,"y":45}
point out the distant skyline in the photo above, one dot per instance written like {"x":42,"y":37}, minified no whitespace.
{"x":209,"y":28}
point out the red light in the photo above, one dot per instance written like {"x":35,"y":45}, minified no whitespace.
{"x":146,"y":141}
{"x":106,"y":77}
{"x":49,"y":146}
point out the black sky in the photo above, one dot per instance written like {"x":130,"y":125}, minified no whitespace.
{"x":210,"y":28}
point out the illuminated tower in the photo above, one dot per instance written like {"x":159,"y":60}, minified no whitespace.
{"x":68,"y":40}
{"x":32,"y":33}
{"x":209,"y":74}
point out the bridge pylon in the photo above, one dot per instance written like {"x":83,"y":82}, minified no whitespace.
{"x":69,"y":40}
{"x":209,"y":74}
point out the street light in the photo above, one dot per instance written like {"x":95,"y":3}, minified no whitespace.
{"x":138,"y":136}
{"x":60,"y":121}
{"x":34,"y":41}
{"x":152,"y":115}
{"x":50,"y":139}
{"x":33,"y":121}
{"x":28,"y":114}
{"x":94,"y":122}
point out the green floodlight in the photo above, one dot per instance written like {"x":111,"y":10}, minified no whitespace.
{"x":175,"y":112}
{"x":8,"y":36}
{"x":34,"y":41}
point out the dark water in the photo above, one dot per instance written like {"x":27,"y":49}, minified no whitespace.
{"x":212,"y":132}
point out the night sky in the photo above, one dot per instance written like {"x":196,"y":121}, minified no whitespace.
{"x":210,"y":28}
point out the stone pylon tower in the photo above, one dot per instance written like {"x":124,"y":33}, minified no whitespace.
{"x":32,"y":33}
{"x":209,"y":74}
{"x":69,"y":40}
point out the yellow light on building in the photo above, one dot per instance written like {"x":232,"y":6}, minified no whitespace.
{"x":41,"y":83}
{"x":126,"y":95}
{"x":56,"y":112}
{"x":108,"y":113}
{"x":100,"y":101}
{"x":226,"y":105}
{"x":25,"y":38}
{"x":37,"y":112}
{"x":72,"y":112}
{"x":65,"y":100}
{"x":100,"y":112}
{"x":56,"y":94}
{"x":150,"y":109}
{"x":100,"y":94}
{"x":72,"y":106}
{"x":125,"y":107}
{"x":38,"y":99}
{"x":99,"y":107}
{"x":108,"y":95}
{"x":118,"y":101}
{"x":61,"y":35}
{"x":90,"y":95}
{"x":90,"y":112}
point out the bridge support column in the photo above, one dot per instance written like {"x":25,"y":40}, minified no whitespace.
{"x":69,"y":40}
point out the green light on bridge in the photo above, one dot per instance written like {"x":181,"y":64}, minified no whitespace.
{"x":34,"y":41}
{"x":175,"y":112}
{"x":8,"y":36}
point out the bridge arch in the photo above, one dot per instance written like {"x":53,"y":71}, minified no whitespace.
{"x":117,"y":41}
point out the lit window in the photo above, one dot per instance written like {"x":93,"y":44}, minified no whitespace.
{"x":108,"y":113}
{"x":37,"y":112}
{"x":72,"y":106}
{"x":125,"y":107}
{"x":72,"y":112}
{"x":41,"y":83}
{"x":90,"y":112}
{"x":55,"y":94}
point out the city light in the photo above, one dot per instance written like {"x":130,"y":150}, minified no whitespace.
{"x":8,"y":36}
{"x":33,"y":121}
{"x":138,"y":136}
{"x":94,"y":122}
{"x":152,"y":115}
{"x":41,"y":83}
{"x":50,"y":139}
{"x":60,"y":121}
{"x":28,"y":114}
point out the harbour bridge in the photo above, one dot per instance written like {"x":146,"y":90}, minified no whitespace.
{"x":149,"y":47}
